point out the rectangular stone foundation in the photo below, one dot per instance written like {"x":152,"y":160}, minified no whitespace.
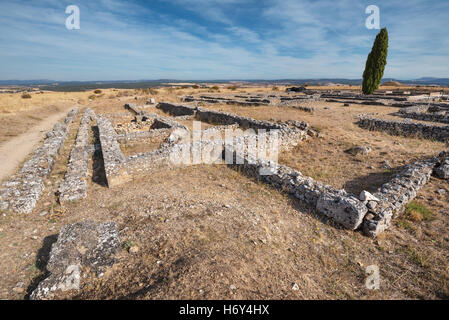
{"x":74,"y":186}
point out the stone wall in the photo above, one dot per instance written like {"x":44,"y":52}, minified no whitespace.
{"x":21,"y":193}
{"x":405,"y":128}
{"x":140,"y":135}
{"x":112,"y":154}
{"x":289,"y":135}
{"x":343,"y":208}
{"x":74,"y":186}
{"x":176,"y":111}
{"x":423,"y":113}
{"x":394,"y":195}
{"x":246,"y":101}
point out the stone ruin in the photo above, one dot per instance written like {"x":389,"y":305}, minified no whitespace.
{"x":120,"y":169}
{"x":74,"y":186}
{"x":370,"y":212}
{"x":22,"y":192}
{"x":405,"y":128}
{"x":425,"y":113}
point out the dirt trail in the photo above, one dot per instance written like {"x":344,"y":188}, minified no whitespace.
{"x":14,"y":151}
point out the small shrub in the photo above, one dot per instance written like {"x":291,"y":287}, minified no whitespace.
{"x":275,"y":89}
{"x":215,"y":88}
{"x":234,"y":87}
{"x":195,"y":86}
{"x":417,"y":212}
{"x":128,"y":244}
{"x":26,"y":96}
{"x":92,"y":97}
{"x":98,"y":91}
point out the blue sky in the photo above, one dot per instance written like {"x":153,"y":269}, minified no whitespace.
{"x":219,"y":39}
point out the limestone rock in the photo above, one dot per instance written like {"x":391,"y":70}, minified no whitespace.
{"x":359,"y":150}
{"x":442,"y":171}
{"x":348,"y":211}
{"x":366,"y":196}
{"x":81,"y":247}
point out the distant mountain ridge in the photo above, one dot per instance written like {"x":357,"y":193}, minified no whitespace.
{"x":54,"y":84}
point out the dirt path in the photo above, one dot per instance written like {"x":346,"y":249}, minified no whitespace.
{"x":14,"y":151}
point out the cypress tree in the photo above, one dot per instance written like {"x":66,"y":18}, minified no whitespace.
{"x":375,"y":64}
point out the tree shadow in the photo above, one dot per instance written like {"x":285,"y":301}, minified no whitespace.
{"x":42,"y":257}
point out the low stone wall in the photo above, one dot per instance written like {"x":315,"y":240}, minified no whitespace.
{"x":394,"y":195}
{"x":112,"y":154}
{"x":224,"y":118}
{"x":24,"y":189}
{"x":140,"y":135}
{"x":160,"y":122}
{"x":74,"y":186}
{"x":405,"y":128}
{"x":343,"y":208}
{"x":423,"y":113}
{"x":305,"y":109}
{"x":246,"y":101}
{"x":176,"y":111}
{"x":288,"y":135}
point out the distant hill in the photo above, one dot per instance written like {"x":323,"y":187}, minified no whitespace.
{"x":54,"y":85}
{"x":392,"y":84}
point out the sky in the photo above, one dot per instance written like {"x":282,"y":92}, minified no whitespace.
{"x":219,"y":39}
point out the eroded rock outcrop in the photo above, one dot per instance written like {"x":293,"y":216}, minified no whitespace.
{"x":82,"y":248}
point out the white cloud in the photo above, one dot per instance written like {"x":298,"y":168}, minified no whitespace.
{"x":122,"y":40}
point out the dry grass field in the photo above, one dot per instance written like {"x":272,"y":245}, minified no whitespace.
{"x":209,"y":232}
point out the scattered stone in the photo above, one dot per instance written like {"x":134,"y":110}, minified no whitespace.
{"x":442,"y":191}
{"x":359,"y":150}
{"x":19,"y":288}
{"x":134,"y":249}
{"x":295,"y":287}
{"x":232,"y":287}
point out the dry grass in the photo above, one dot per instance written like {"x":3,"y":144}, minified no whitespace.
{"x":201,"y":229}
